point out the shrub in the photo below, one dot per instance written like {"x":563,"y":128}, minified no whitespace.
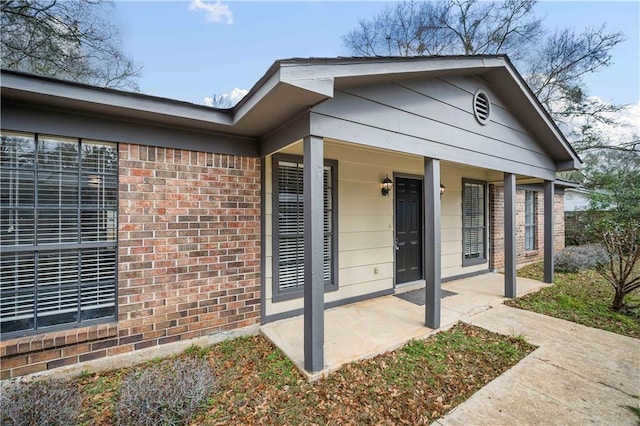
{"x":42,"y":402}
{"x":577,"y":228}
{"x":167,"y":393}
{"x":579,"y":258}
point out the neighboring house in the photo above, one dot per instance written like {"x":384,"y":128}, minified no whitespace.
{"x":130,"y":221}
{"x":576,"y":200}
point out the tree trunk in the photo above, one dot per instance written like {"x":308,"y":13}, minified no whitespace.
{"x":618,"y":301}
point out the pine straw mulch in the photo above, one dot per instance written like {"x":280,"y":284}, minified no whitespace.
{"x":257,"y":384}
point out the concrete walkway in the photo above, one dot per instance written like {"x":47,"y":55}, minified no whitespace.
{"x":577,"y":376}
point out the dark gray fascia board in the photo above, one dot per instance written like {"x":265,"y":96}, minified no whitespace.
{"x":539,"y":120}
{"x":28,"y":118}
{"x":33,"y":88}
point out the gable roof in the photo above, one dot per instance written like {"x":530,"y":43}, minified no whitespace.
{"x":293,"y":85}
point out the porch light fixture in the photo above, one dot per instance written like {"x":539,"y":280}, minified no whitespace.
{"x":387,"y":184}
{"x":442,"y":187}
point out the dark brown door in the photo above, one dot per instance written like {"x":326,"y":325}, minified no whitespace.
{"x":408,"y":195}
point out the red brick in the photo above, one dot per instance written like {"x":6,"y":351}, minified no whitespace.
{"x":62,"y":362}
{"x":45,"y":356}
{"x":14,"y":361}
{"x":93,"y":355}
{"x":29,"y":369}
{"x":189,"y":242}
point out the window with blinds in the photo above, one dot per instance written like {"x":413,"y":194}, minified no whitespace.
{"x":288,"y":248}
{"x":473,"y":222}
{"x":530,"y":220}
{"x":58,"y":231}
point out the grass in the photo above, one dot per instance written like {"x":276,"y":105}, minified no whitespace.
{"x":584,"y":298}
{"x":256,"y":383}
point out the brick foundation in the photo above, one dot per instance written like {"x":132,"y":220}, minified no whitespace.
{"x":188,"y":259}
{"x":496,"y":211}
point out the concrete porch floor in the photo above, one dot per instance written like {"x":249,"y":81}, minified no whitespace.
{"x":365,"y":329}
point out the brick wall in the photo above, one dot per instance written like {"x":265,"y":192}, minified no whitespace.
{"x":496,"y":221}
{"x":188,"y":260}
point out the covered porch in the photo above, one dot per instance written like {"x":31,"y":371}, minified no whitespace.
{"x":331,"y":237}
{"x":385,"y":323}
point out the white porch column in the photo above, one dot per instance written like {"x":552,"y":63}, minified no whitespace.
{"x":509,"y":235}
{"x":432,"y":248}
{"x":548,"y":230}
{"x":313,"y":214}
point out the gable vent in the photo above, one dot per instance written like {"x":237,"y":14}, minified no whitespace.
{"x":481,"y":107}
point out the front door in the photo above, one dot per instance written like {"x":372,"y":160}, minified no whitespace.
{"x":408,"y":195}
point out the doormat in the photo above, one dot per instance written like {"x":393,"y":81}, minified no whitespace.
{"x":419,"y":296}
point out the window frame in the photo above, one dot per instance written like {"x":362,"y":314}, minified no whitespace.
{"x":38,"y":249}
{"x":279,"y":295}
{"x":483,"y":259}
{"x":533,"y":226}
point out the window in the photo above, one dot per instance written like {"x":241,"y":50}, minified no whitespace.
{"x":530,"y":204}
{"x":473,"y":222}
{"x":288,"y":241}
{"x":58,"y":231}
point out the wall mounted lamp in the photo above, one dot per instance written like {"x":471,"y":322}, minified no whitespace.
{"x":442,"y":187}
{"x":387,"y":185}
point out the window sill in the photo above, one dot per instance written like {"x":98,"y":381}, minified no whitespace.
{"x":53,"y":339}
{"x":298,"y":294}
{"x":532,"y":253}
{"x":473,"y":262}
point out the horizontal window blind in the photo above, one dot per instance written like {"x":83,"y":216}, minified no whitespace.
{"x":290,"y":227}
{"x":58,"y":231}
{"x":474,"y":220}
{"x":530,"y":220}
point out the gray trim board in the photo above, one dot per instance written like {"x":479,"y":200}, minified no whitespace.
{"x":538,"y":188}
{"x":290,"y":132}
{"x":329,"y":305}
{"x":432,"y":257}
{"x":467,"y":275}
{"x":263,"y":241}
{"x":548,"y":231}
{"x":509,"y":235}
{"x":109,"y":129}
{"x":313,"y":213}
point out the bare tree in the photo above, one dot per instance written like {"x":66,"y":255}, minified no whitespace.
{"x":616,"y":209}
{"x":447,"y":27}
{"x":221,"y":101}
{"x":404,"y":29}
{"x":555,"y":70}
{"x":553,"y":64}
{"x":70,"y":39}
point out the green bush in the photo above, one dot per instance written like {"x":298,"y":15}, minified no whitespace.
{"x":42,"y":402}
{"x":577,"y":228}
{"x":166,"y":393}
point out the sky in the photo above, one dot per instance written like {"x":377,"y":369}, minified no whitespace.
{"x":193,"y":49}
